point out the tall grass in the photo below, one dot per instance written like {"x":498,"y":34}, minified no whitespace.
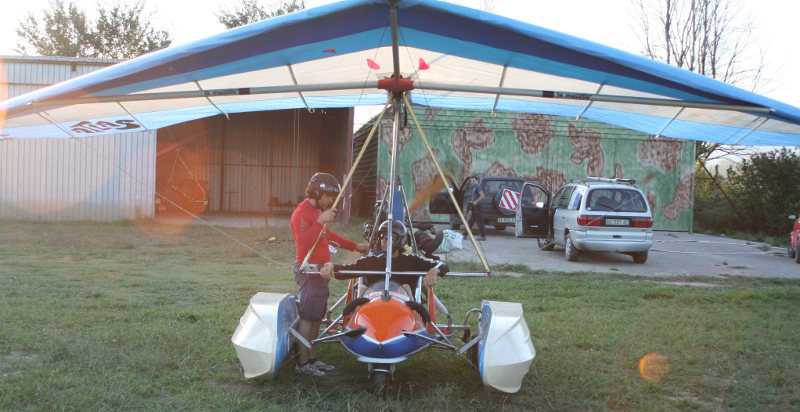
{"x":121,"y":316}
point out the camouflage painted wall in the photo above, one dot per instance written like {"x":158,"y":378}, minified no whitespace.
{"x":547,"y":149}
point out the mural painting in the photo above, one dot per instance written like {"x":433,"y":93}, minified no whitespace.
{"x":547,"y":149}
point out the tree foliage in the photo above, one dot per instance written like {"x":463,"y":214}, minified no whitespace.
{"x":709,"y":37}
{"x":767,"y":189}
{"x":250,"y":11}
{"x":122,"y":32}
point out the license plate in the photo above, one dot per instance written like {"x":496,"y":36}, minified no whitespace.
{"x":617,"y":222}
{"x":505,"y":220}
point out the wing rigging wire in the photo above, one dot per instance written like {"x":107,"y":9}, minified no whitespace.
{"x":198,"y":218}
{"x":478,"y":247}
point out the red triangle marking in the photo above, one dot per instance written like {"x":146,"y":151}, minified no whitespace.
{"x":423,"y":65}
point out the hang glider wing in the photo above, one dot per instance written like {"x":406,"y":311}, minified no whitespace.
{"x":334,"y":55}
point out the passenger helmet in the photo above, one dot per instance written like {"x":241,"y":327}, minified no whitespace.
{"x":321,"y":183}
{"x":399,"y":233}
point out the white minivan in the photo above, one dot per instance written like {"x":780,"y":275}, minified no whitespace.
{"x":594,"y":214}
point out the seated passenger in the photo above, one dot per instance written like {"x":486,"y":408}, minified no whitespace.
{"x":428,"y":240}
{"x":400,"y":262}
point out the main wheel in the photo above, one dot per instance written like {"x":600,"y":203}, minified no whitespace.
{"x":570,"y":252}
{"x":546,"y":244}
{"x":639,"y":257}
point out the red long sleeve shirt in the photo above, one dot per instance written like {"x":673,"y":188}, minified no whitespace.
{"x":305,"y":229}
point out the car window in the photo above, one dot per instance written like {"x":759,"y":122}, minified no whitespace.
{"x":532,"y":194}
{"x":563,"y":199}
{"x":527,"y":196}
{"x":575,"y":204}
{"x":616,"y":199}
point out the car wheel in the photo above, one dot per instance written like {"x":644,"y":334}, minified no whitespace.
{"x":546,"y":244}
{"x":639,"y":257}
{"x":790,"y":250}
{"x":570,"y":252}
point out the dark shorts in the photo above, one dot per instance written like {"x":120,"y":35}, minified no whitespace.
{"x":313,"y":296}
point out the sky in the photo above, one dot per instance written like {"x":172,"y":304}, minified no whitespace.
{"x":610,"y":22}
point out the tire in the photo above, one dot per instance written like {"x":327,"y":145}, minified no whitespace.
{"x":546,"y":244}
{"x":639,"y":257}
{"x":379,"y":381}
{"x":503,"y":212}
{"x":472,"y":354}
{"x":570,"y":251}
{"x":790,"y":250}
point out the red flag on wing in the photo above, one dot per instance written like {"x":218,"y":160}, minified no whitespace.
{"x":509,"y":200}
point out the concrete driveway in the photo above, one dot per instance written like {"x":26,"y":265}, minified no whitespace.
{"x":672,"y":254}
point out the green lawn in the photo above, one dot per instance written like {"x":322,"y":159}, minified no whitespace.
{"x":120,"y":316}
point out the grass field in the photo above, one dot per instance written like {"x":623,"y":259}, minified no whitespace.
{"x":139,"y":317}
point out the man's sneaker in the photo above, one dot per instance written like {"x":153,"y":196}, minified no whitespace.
{"x":321,"y":366}
{"x":308,"y":369}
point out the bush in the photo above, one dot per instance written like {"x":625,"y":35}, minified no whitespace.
{"x":765,"y":189}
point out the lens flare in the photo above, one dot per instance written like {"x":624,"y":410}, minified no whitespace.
{"x":653,"y":367}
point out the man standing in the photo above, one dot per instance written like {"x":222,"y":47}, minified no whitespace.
{"x":477,"y":196}
{"x":307,"y":221}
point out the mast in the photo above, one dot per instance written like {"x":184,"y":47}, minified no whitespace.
{"x":396,"y":103}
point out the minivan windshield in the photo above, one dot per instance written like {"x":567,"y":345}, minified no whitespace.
{"x":617,"y":200}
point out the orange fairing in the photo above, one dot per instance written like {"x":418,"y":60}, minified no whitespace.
{"x":385,"y":319}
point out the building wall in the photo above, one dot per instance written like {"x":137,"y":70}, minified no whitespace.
{"x":253,"y":162}
{"x":104,"y":178}
{"x":547,"y":149}
{"x":23,"y":74}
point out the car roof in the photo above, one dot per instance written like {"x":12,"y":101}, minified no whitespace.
{"x":502,"y":178}
{"x":594,"y":182}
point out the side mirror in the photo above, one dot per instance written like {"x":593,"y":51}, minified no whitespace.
{"x":539,"y":204}
{"x":792,"y":217}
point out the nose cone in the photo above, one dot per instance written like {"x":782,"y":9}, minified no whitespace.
{"x":385,"y":319}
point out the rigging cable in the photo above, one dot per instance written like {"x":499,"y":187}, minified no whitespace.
{"x":196,"y":217}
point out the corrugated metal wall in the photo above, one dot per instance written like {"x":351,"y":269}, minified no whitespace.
{"x":547,"y":149}
{"x":255,"y":162}
{"x":104,"y":178}
{"x":23,"y":74}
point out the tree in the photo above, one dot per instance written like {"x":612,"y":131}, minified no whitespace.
{"x":125,"y":32}
{"x":64,"y":30}
{"x":709,"y":37}
{"x":250,"y":11}
{"x":766,"y":189}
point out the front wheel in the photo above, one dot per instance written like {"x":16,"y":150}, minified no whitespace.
{"x":379,"y":380}
{"x":546,"y":244}
{"x":639,"y":257}
{"x":570,"y":251}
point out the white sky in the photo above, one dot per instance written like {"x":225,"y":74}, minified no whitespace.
{"x":611,"y":22}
